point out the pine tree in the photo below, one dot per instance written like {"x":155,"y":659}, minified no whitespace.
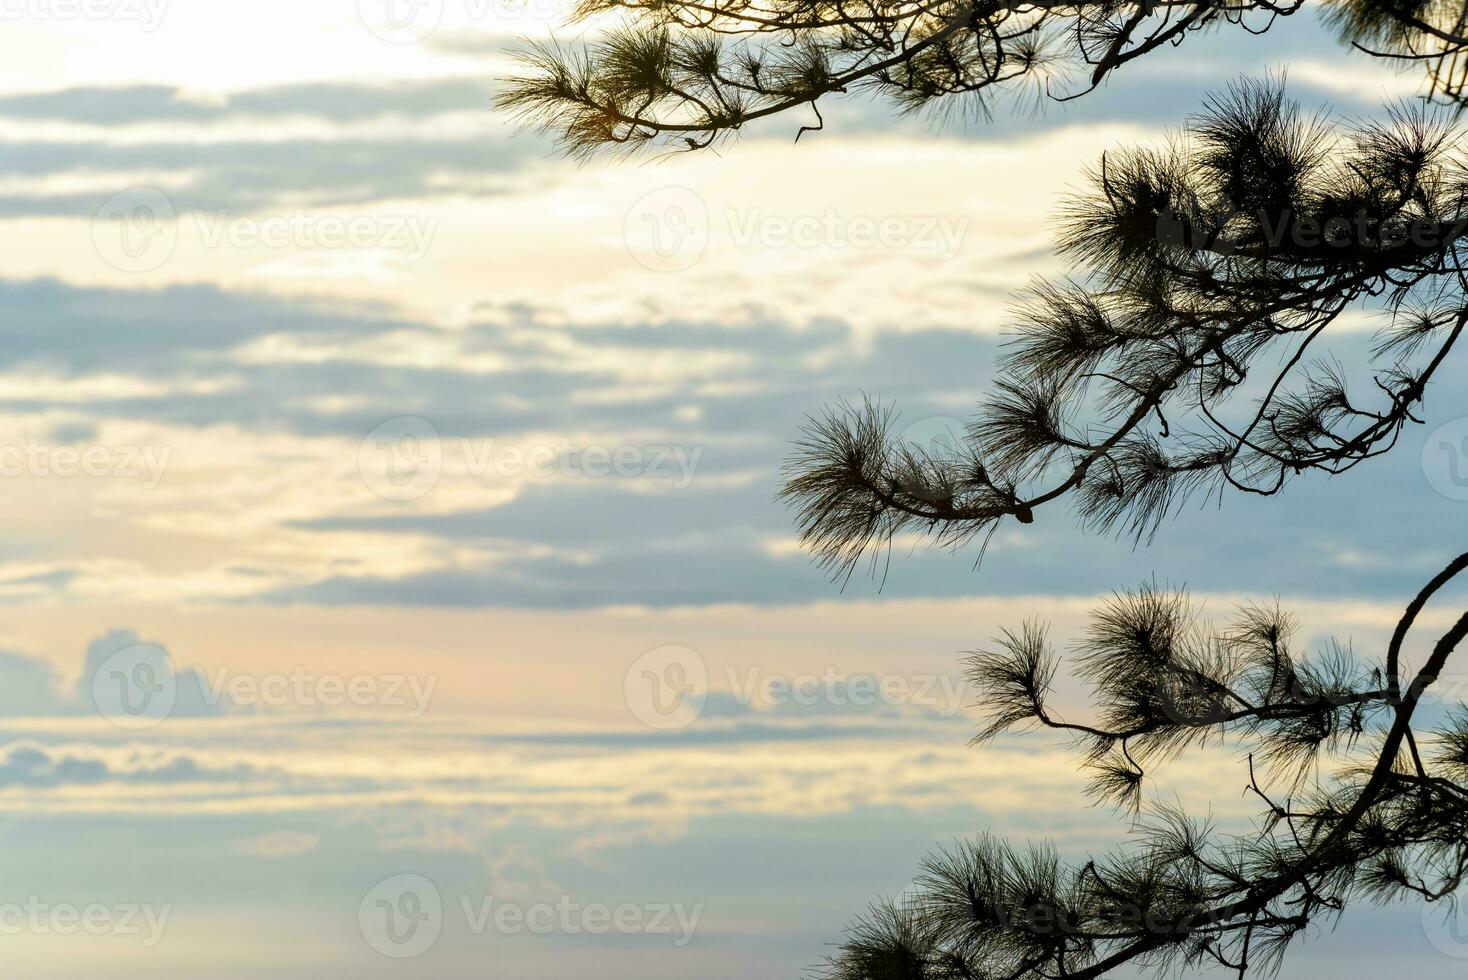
{"x":1127,"y":389}
{"x":1363,"y":806}
{"x":681,"y":74}
{"x":1187,"y":353}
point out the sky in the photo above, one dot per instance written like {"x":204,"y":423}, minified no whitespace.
{"x":392,"y":580}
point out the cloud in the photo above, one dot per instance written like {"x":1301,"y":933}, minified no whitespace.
{"x":527,"y":508}
{"x":266,"y":403}
{"x":33,"y":767}
{"x":28,"y":686}
{"x":122,"y":673}
{"x":110,"y":676}
{"x":337,"y":102}
{"x":173,"y":132}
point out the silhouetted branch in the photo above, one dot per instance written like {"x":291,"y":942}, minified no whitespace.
{"x":680,"y":74}
{"x":1259,"y":227}
{"x":1185,"y":895}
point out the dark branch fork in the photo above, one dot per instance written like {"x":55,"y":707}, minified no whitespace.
{"x":1185,"y":895}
